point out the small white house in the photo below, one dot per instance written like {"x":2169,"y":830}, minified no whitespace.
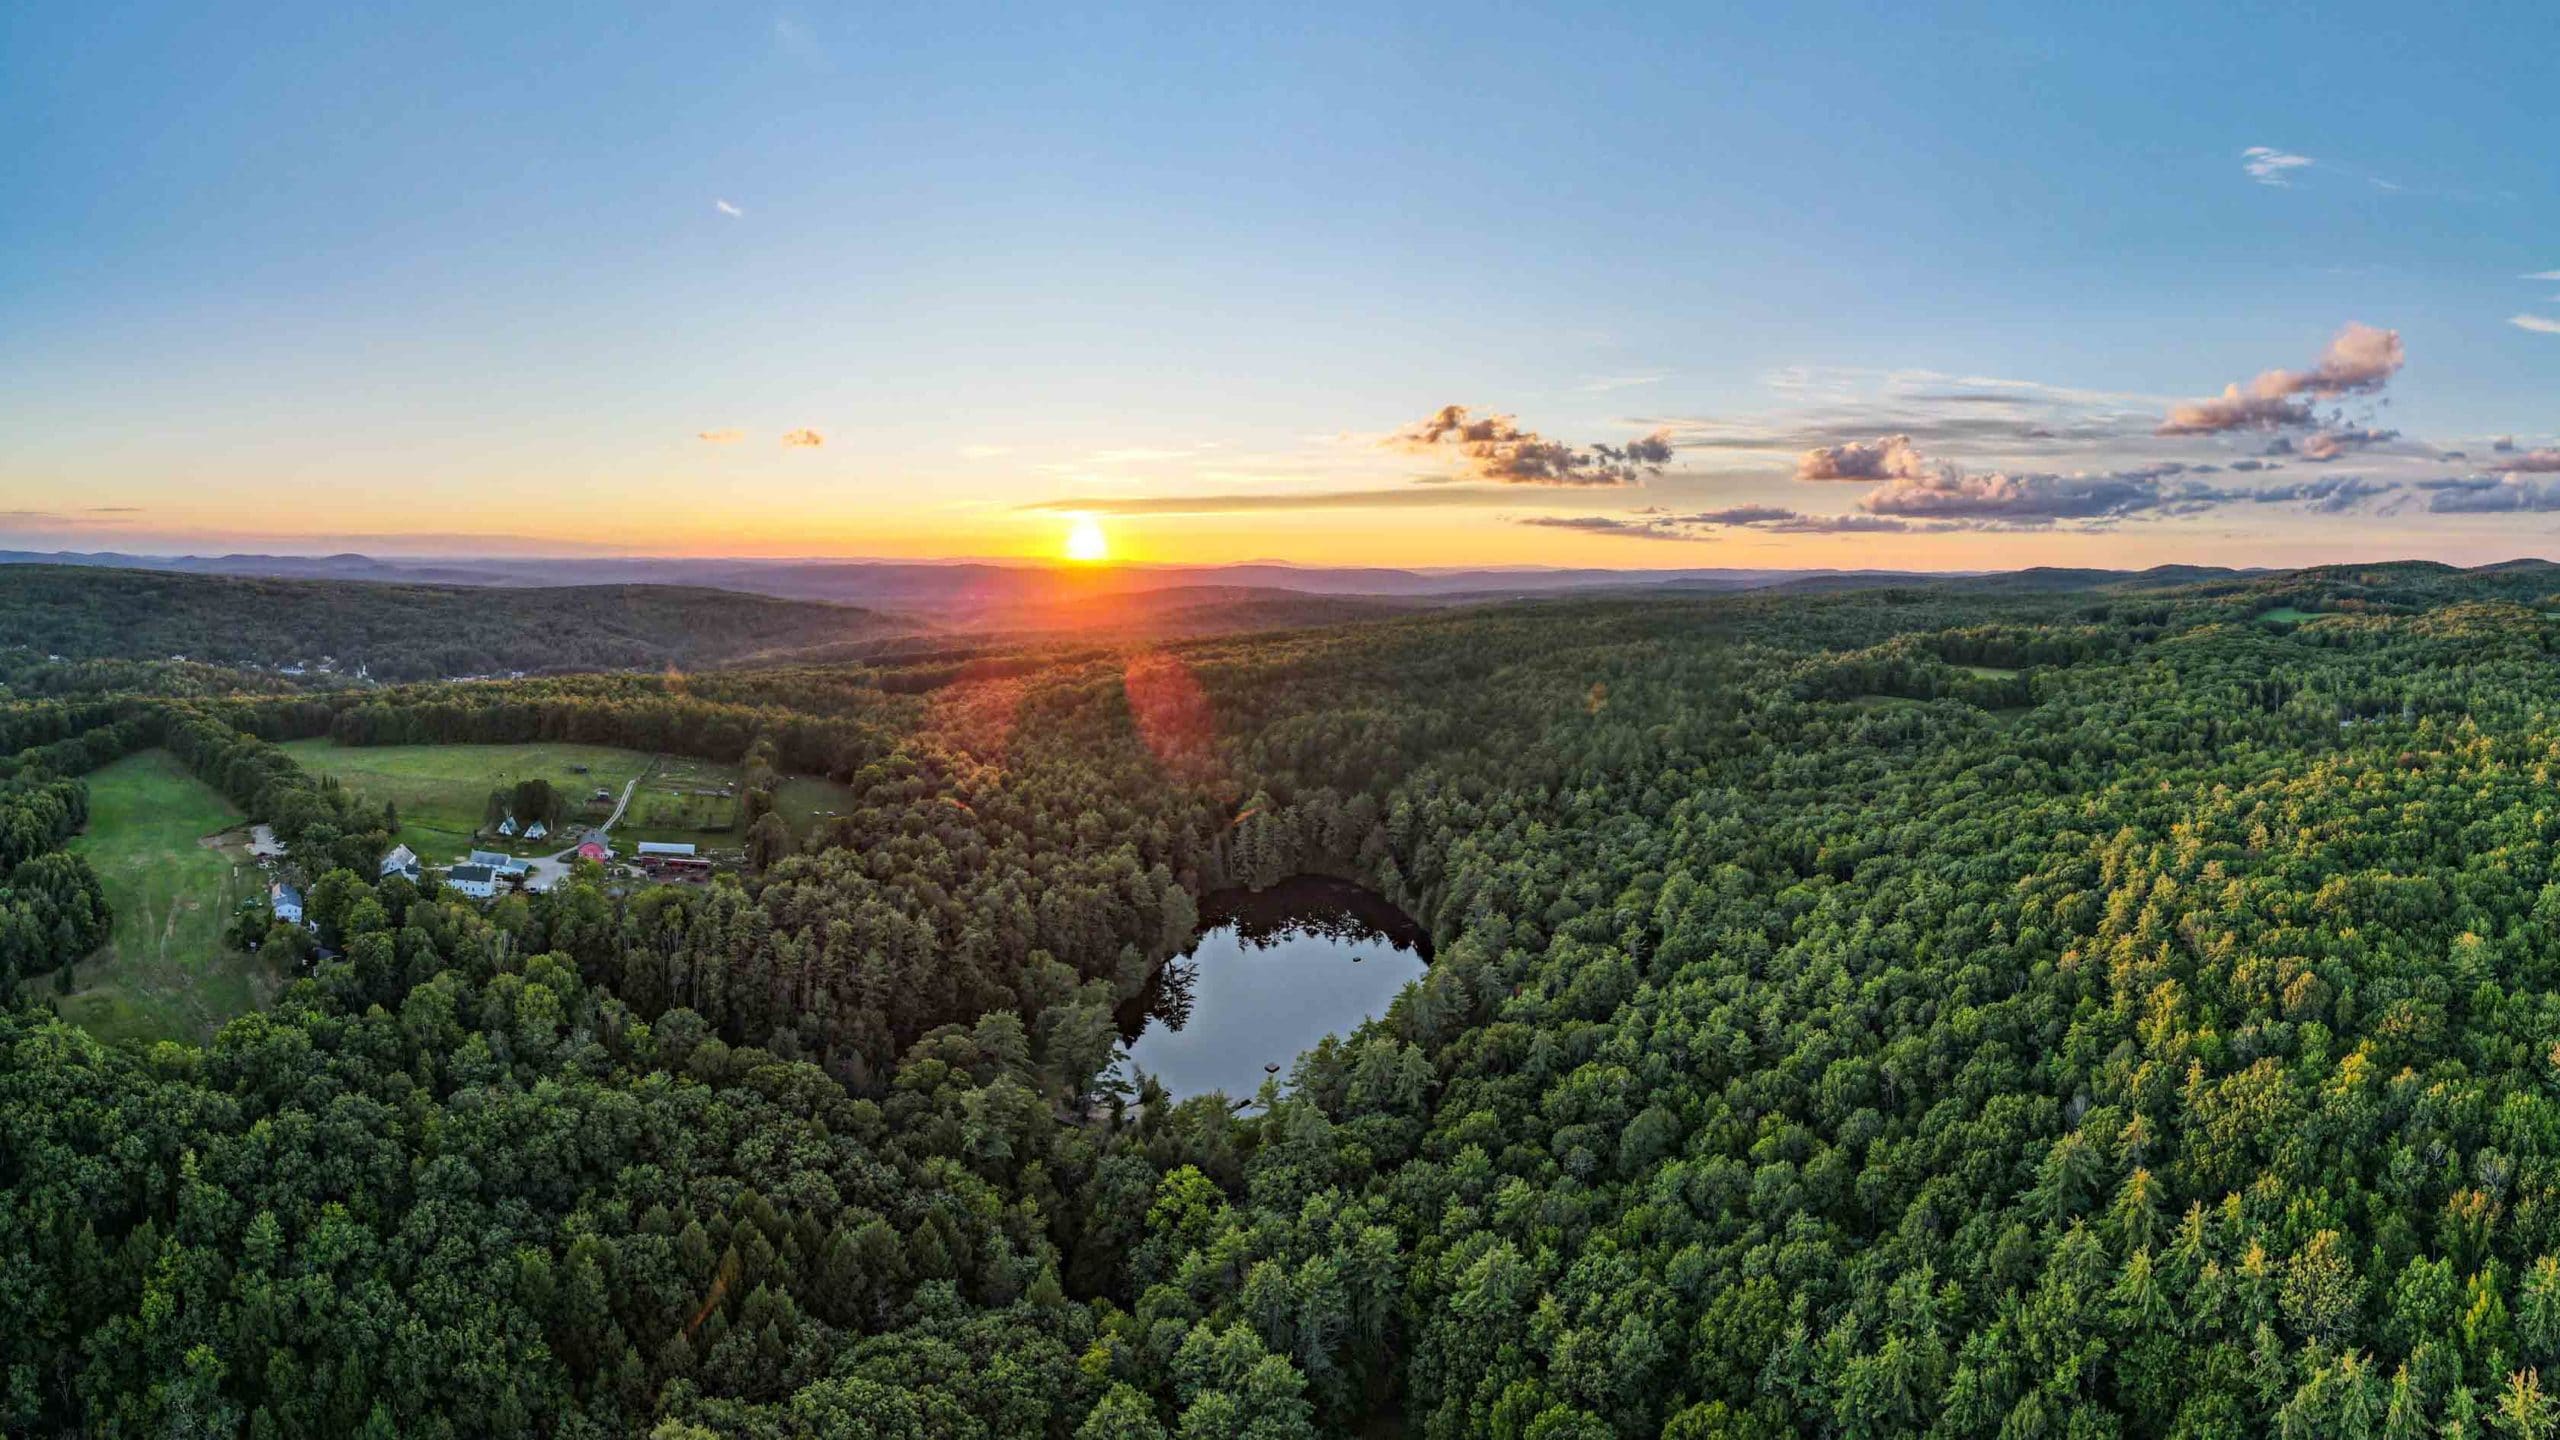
{"x":536,"y":830}
{"x":286,"y":902}
{"x":477,"y":881}
{"x":401,"y":861}
{"x":507,"y":826}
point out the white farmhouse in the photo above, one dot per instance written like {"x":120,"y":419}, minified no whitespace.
{"x":401,"y":861}
{"x":477,"y":881}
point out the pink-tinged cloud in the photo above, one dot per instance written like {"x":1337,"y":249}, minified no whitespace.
{"x":2359,"y":361}
{"x":720,"y":437}
{"x":2527,"y":462}
{"x":803,"y":439}
{"x":1494,"y":448}
{"x":1889,"y":457}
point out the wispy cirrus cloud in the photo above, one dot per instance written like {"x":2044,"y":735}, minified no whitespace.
{"x":2360,"y":360}
{"x":720,"y":437}
{"x":2538,"y":324}
{"x":1494,"y":448}
{"x":2270,"y":166}
{"x":1400,"y":497}
{"x":725,"y":208}
{"x":1707,"y":524}
{"x":803,"y":439}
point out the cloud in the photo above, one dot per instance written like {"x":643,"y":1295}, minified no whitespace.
{"x":2039,"y":499}
{"x":2329,"y":494}
{"x":725,"y":208}
{"x":803,"y":439}
{"x":1890,"y":457}
{"x":2270,"y":166}
{"x":113,"y":510}
{"x":2359,"y":361}
{"x":2323,"y":446}
{"x":2491,"y":495}
{"x":1493,"y":448}
{"x":1251,"y":502}
{"x":2538,"y":324}
{"x":720,"y":437}
{"x":2541,"y":275}
{"x":2529,"y":462}
{"x":1772,"y":519}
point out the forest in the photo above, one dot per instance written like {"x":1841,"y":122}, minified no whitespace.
{"x":2013,"y":1008}
{"x":403,"y":632}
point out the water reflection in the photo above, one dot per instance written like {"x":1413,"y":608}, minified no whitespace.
{"x":1271,"y":973}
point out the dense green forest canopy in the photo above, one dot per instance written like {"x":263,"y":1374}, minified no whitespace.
{"x":1965,"y":1010}
{"x":404,"y":632}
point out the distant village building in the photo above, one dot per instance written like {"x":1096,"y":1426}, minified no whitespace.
{"x":536,"y":830}
{"x":401,"y":861}
{"x":594,"y":850}
{"x":286,"y":902}
{"x":507,"y":826}
{"x":666,"y":847}
{"x":477,"y":881}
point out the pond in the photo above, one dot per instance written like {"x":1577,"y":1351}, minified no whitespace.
{"x":1273,"y":972}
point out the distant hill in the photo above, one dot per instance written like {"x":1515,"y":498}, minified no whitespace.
{"x":405,"y":632}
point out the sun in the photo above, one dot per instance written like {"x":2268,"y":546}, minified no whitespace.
{"x":1086,"y":542}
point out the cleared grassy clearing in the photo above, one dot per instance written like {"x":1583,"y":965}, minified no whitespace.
{"x":169,"y":852}
{"x":443,"y":791}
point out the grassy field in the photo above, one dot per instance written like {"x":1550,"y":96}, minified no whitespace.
{"x":2287,"y":615}
{"x":1988,"y":672}
{"x":164,"y":972}
{"x":443,"y":790}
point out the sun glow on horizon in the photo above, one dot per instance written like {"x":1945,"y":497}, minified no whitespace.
{"x":1086,"y":544}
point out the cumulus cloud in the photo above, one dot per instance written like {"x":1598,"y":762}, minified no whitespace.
{"x":1888,"y":457}
{"x":720,"y":437}
{"x":2528,"y":462}
{"x":2538,"y":324}
{"x":2040,"y":499}
{"x":725,"y":208}
{"x":2359,"y":361}
{"x":2329,"y":495}
{"x":2491,"y":495}
{"x":2270,"y":166}
{"x":2324,"y":446}
{"x":803,"y":439}
{"x":1494,"y":448}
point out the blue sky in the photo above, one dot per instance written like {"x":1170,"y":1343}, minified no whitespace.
{"x":462,"y":275}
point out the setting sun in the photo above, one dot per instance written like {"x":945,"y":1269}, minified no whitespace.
{"x":1086,"y":542}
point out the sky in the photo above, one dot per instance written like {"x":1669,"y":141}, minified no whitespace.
{"x":1650,"y":286}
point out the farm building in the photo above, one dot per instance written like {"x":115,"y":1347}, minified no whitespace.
{"x":499,"y":862}
{"x":286,"y":902}
{"x":666,"y":849}
{"x":477,"y":881}
{"x":401,"y":861}
{"x":536,"y":830}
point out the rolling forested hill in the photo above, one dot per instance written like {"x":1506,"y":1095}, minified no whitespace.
{"x":1991,"y":1011}
{"x":404,"y":632}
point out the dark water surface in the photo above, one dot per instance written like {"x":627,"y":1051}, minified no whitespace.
{"x":1273,"y":972}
